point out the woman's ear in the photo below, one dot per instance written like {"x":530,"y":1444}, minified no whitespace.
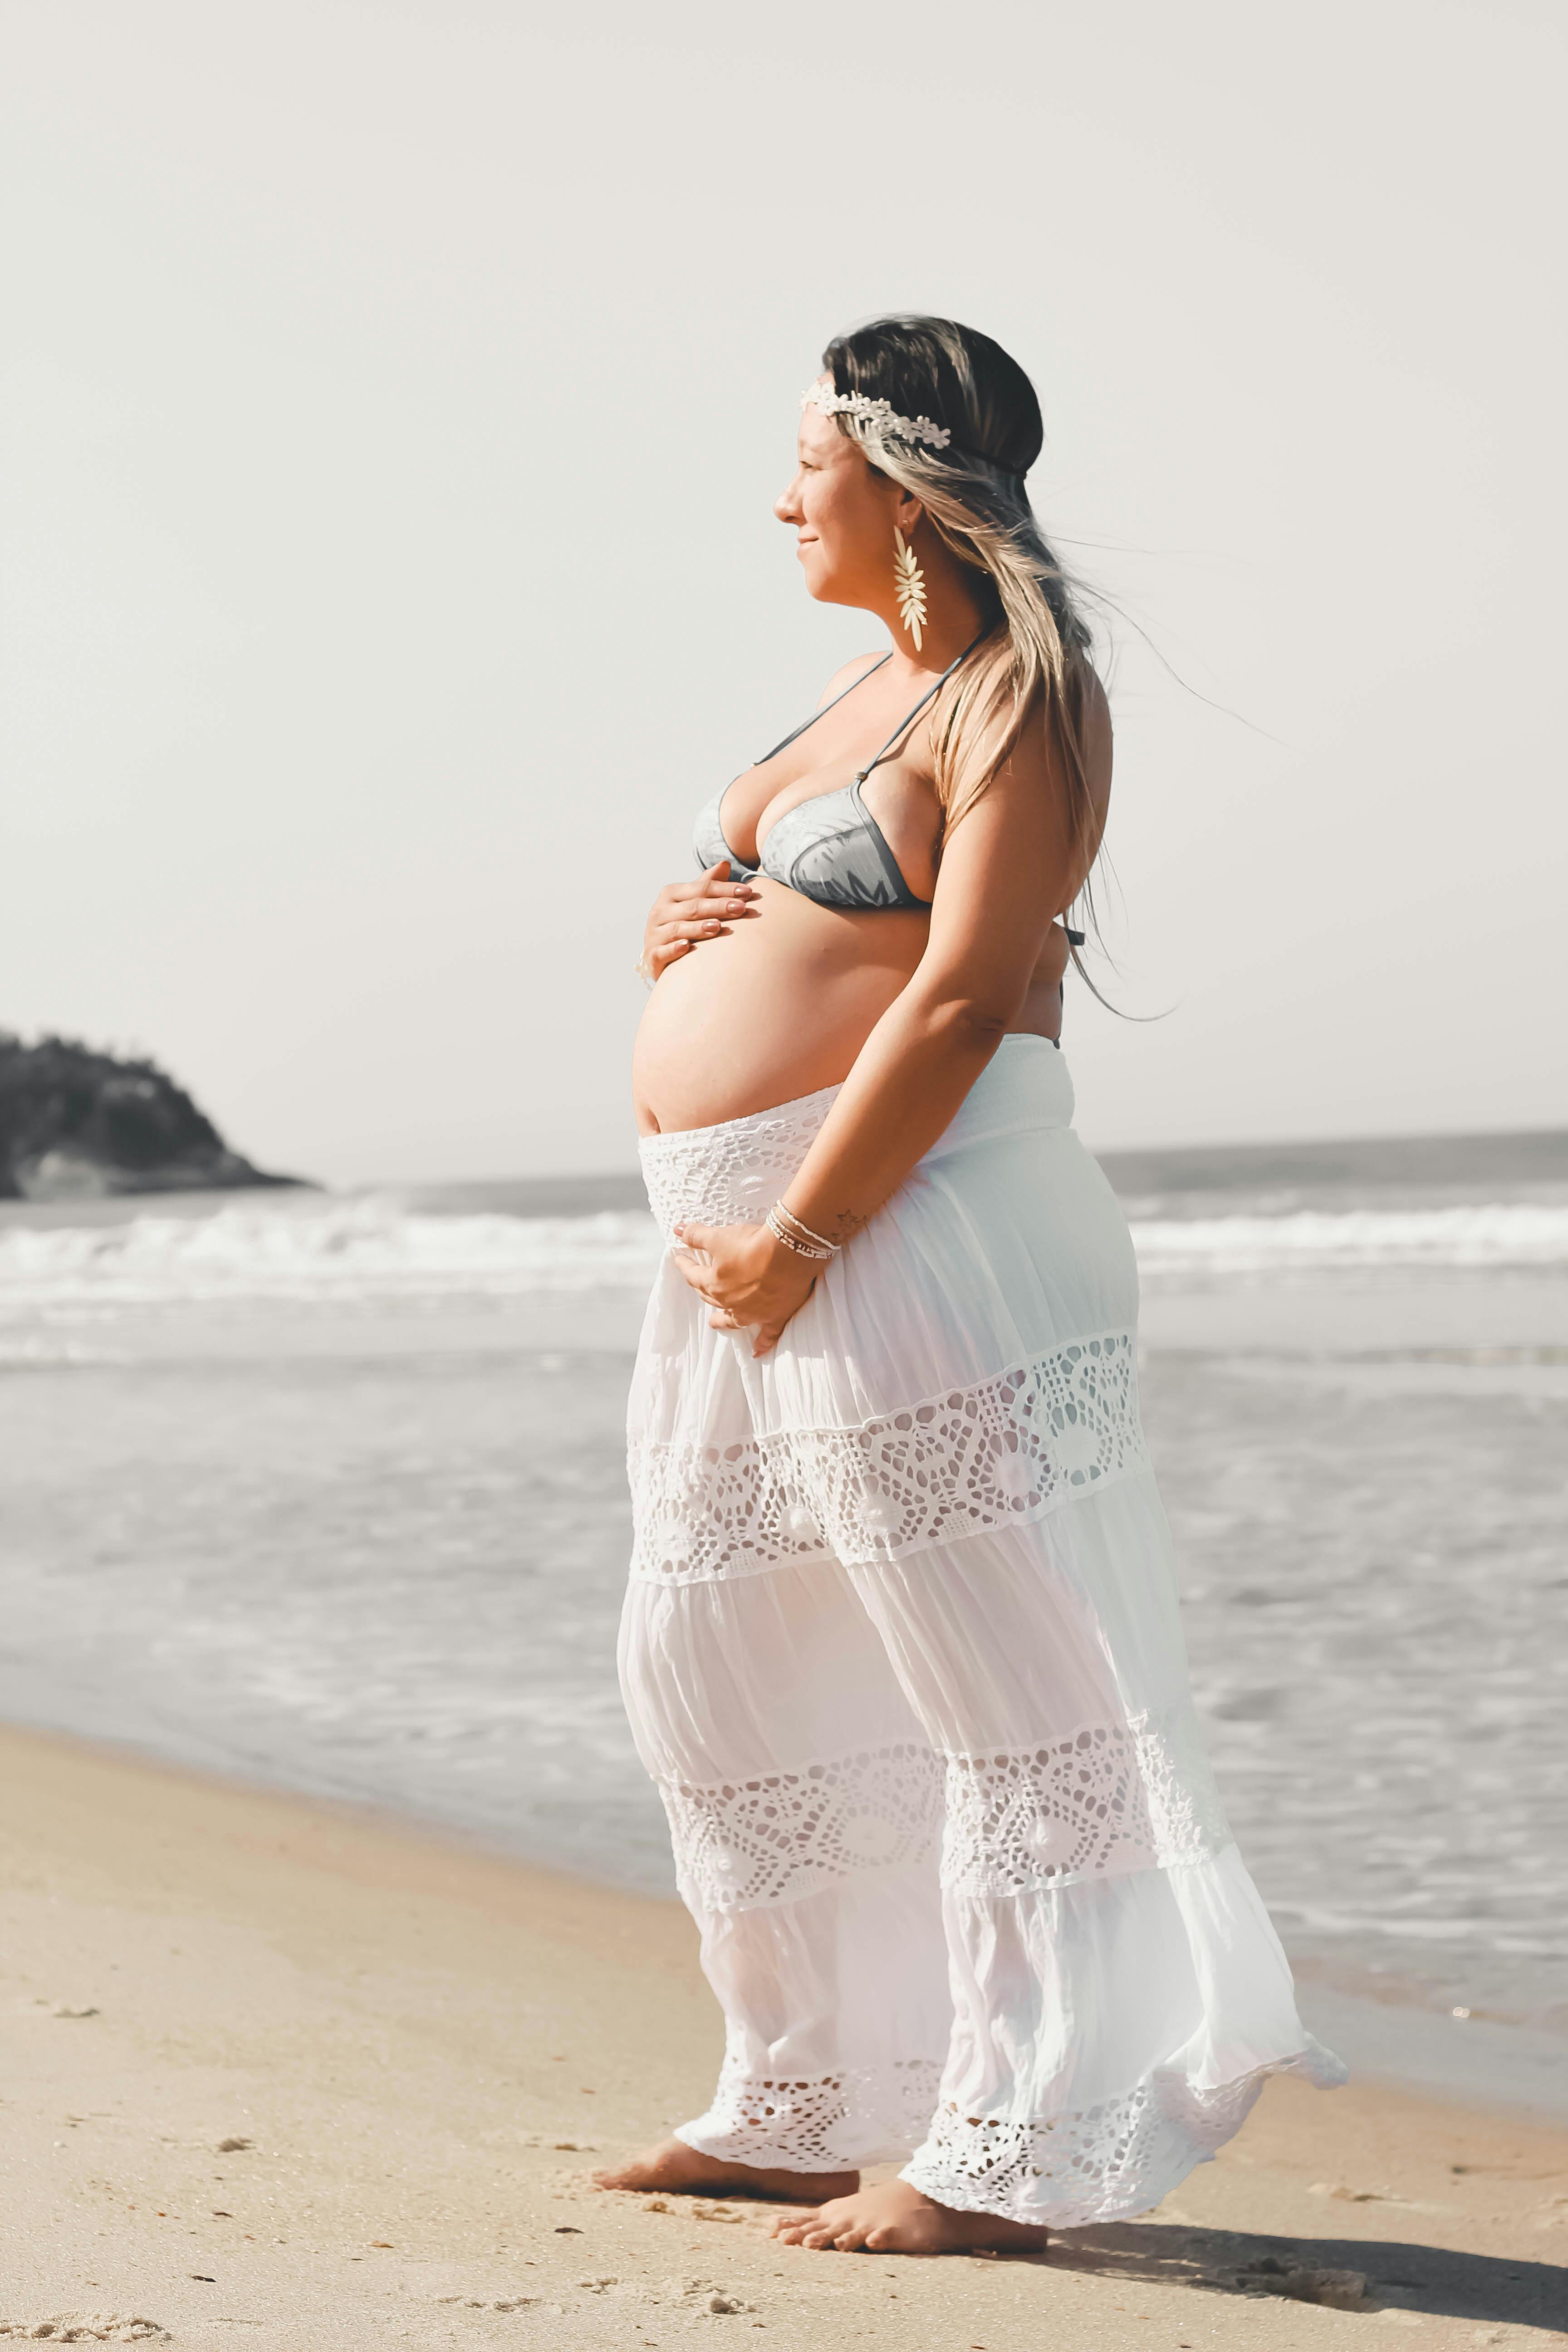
{"x":908,"y":512}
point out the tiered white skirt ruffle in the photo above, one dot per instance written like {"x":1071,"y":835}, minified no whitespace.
{"x":901,"y":1651}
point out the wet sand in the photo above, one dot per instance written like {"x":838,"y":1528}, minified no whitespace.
{"x":282,"y":2075}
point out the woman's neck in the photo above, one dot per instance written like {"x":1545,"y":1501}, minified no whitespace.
{"x":955,"y":615}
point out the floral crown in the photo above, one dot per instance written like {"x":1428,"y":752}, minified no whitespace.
{"x":880,"y":414}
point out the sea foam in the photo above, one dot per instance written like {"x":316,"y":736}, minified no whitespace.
{"x":363,"y":1248}
{"x":374,"y":1248}
{"x":1498,"y":1233}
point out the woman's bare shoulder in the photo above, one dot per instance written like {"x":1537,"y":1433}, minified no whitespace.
{"x":850,"y":675}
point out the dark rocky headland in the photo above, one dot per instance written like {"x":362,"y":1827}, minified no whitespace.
{"x":78,"y":1124}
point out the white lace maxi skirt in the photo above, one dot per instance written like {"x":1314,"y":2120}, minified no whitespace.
{"x":901,"y":1651}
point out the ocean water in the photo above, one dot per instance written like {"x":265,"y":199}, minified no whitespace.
{"x":328,"y":1491}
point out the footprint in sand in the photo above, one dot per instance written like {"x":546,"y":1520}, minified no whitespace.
{"x":1337,"y":2290}
{"x":86,"y":2327}
{"x":699,"y":2295}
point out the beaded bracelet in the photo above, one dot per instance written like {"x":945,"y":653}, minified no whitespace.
{"x":780,"y":1233}
{"x":798,"y":1226}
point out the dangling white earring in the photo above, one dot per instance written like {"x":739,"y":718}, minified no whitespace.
{"x":909,"y":585}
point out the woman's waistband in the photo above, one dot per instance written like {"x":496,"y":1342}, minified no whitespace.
{"x":730,"y":1174}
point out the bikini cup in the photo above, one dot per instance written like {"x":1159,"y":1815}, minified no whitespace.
{"x":829,"y":848}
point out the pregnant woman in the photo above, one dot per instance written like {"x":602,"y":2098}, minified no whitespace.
{"x":902,"y":1647}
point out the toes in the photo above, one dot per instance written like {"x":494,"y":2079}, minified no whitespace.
{"x":789,"y":2227}
{"x":851,"y":2241}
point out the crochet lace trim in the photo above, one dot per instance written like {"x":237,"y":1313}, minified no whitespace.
{"x":1095,"y":1802}
{"x":997,"y":1455}
{"x":826,"y":2123}
{"x":1102,"y":2163}
{"x":1112,"y":1798}
{"x":1097,"y":2164}
{"x":744,"y":1844}
{"x":731,"y":1174}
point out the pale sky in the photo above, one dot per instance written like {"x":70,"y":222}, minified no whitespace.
{"x":394,"y":398}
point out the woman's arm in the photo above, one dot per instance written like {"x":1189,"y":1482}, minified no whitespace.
{"x":1005,"y":873}
{"x":1007,"y":869}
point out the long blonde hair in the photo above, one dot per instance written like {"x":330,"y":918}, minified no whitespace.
{"x":1034,"y":666}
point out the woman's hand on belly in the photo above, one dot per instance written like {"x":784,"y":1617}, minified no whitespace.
{"x":776,"y":1009}
{"x":684,"y":914}
{"x":751,"y":1282}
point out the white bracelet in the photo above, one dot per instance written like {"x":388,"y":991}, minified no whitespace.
{"x":780,"y":1233}
{"x":797,"y":1225}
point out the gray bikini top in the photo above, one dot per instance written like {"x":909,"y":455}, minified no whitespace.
{"x":830,"y":848}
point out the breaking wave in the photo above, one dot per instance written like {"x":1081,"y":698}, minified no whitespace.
{"x":365,"y":1248}
{"x":374,"y":1248}
{"x":1497,"y":1233}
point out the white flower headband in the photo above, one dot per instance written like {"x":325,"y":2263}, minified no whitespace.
{"x":880,"y":414}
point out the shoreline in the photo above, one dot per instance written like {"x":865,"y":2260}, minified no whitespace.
{"x":424,"y":2046}
{"x":1392,"y":2030}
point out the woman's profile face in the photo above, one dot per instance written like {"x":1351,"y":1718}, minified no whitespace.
{"x":842,"y":516}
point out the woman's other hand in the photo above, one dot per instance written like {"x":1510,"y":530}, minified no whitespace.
{"x":686,"y":913}
{"x":751,"y":1282}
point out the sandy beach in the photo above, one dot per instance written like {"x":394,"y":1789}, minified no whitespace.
{"x":482,"y":468}
{"x":281,"y":2074}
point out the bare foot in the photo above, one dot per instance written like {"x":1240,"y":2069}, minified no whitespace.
{"x":672,"y":2165}
{"x":894,"y":2219}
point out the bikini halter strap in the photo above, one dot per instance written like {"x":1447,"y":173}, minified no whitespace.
{"x":929,"y":696}
{"x":795,"y":731}
{"x":904,"y":726}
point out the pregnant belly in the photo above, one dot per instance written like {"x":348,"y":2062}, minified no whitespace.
{"x":779,"y":1008}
